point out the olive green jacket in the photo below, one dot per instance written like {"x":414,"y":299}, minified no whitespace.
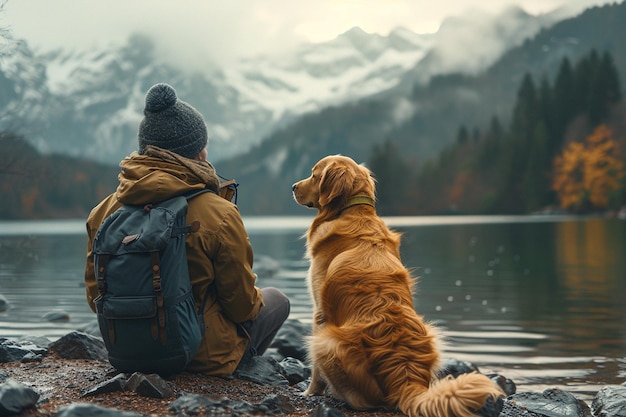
{"x":219,"y":254}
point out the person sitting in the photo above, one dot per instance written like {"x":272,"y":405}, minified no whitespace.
{"x":240,"y":318}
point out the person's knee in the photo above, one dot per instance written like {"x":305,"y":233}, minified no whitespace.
{"x":278,"y":299}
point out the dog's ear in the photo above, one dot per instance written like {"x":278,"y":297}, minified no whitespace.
{"x":336,"y":184}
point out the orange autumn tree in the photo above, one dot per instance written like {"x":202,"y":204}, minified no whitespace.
{"x":586,"y":174}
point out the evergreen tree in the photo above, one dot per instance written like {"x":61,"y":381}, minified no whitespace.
{"x":604,"y":89}
{"x":612,"y":84}
{"x":463,"y":135}
{"x":490,"y":149}
{"x":566,"y":103}
{"x":547,"y":117}
{"x":476,"y":134}
{"x":392,"y":177}
{"x":584,"y":74}
{"x":515,"y":152}
{"x":525,"y":112}
{"x":535,"y":182}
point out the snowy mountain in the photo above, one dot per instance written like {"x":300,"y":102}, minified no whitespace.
{"x":89,"y":103}
{"x":354,"y":65}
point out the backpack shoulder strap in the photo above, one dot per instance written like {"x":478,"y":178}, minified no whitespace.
{"x":195,"y":225}
{"x":193,"y":193}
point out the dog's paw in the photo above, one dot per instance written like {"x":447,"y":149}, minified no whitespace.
{"x":309,"y":393}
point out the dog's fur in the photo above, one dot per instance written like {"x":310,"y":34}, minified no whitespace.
{"x":368,"y":345}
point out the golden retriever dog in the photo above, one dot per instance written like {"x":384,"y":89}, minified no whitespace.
{"x":368,"y":345}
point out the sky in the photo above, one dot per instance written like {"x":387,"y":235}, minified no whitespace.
{"x":229,"y":29}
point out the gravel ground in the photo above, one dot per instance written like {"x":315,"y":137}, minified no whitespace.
{"x":61,"y":382}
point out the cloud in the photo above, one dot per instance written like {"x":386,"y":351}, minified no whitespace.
{"x":221,"y":30}
{"x":225,"y":30}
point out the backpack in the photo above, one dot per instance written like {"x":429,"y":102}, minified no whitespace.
{"x":145,"y":307}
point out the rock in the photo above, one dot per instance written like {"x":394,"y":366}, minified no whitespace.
{"x":551,"y":403}
{"x":324,"y":411}
{"x":455,"y":367}
{"x":4,"y":303}
{"x":115,"y":384}
{"x":194,"y":404}
{"x":290,"y":339}
{"x":491,"y":408}
{"x":56,"y":316}
{"x":77,"y":345}
{"x":278,"y":404}
{"x":503,"y":382}
{"x":15,"y":397}
{"x":31,"y":357}
{"x":39,"y":342}
{"x":12,"y":351}
{"x":304,"y":385}
{"x":271,"y":405}
{"x":294,"y":370}
{"x":261,"y":370}
{"x":610,"y":401}
{"x":37,"y":346}
{"x":151,"y":385}
{"x":91,"y":328}
{"x":274,"y":354}
{"x":83,"y":409}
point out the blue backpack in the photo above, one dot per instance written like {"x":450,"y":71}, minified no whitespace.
{"x":145,"y":307}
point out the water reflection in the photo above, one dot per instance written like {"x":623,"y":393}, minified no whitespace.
{"x":591,"y":269}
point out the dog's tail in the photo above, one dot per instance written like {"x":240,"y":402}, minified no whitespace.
{"x":450,"y":397}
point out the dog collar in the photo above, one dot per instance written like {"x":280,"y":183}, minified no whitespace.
{"x":359,"y":199}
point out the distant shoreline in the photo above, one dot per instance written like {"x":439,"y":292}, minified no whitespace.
{"x":263,"y":223}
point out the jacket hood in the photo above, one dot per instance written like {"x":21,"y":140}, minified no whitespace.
{"x":160,"y":174}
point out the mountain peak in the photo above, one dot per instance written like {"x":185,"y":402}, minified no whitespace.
{"x":355,"y":32}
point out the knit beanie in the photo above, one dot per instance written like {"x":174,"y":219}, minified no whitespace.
{"x":170,"y":123}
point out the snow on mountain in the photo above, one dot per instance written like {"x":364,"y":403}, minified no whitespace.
{"x":352,"y":66}
{"x":91,"y":101}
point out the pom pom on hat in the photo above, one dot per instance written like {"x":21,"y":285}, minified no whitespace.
{"x":170,"y":123}
{"x":159,"y":97}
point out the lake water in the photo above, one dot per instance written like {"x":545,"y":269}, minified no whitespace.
{"x":540,"y":300}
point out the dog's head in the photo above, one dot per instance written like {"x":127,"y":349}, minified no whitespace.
{"x":334,"y":179}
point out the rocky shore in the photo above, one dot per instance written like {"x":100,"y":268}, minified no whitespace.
{"x":72,"y":377}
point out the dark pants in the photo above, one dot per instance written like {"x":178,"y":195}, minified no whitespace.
{"x":264,"y":327}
